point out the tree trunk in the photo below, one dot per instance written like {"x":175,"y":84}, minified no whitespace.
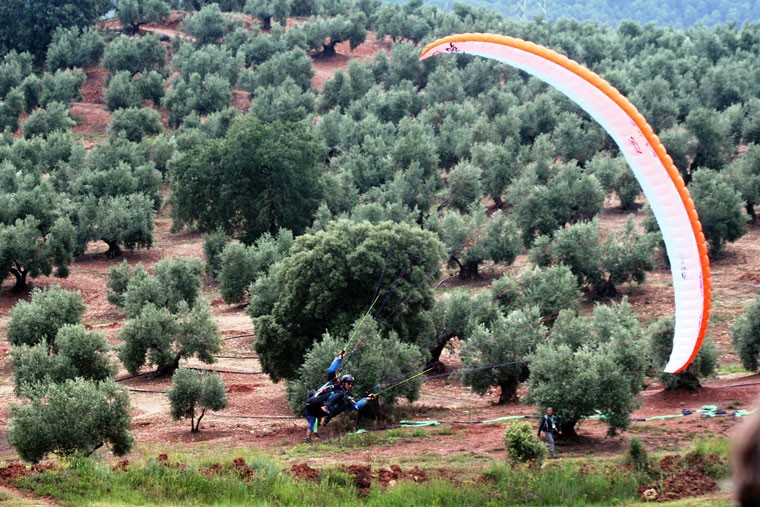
{"x":197,"y":426}
{"x":606,"y":289}
{"x":329,"y":48}
{"x":113,"y":249}
{"x":437,"y":347}
{"x":169,"y":368}
{"x":266,"y":23}
{"x":568,"y":429}
{"x":20,"y":274}
{"x":468,"y":270}
{"x":508,"y":392}
{"x":751,"y":212}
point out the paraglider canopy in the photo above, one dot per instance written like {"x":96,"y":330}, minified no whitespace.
{"x":660,"y":180}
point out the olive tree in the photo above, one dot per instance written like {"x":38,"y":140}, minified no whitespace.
{"x":158,"y":337}
{"x":242,"y":265}
{"x":135,"y":13}
{"x":193,"y":393}
{"x":551,"y":289}
{"x":30,"y":248}
{"x":72,"y":47}
{"x":589,"y":365}
{"x":457,"y":315}
{"x":380,"y":361}
{"x":745,"y":335}
{"x":474,"y":238}
{"x":39,"y":320}
{"x":601,"y":265}
{"x":74,"y":417}
{"x":80,"y":354}
{"x":331,"y":278}
{"x":257,"y":178}
{"x":720,"y":209}
{"x":208,"y":25}
{"x":134,"y":55}
{"x":661,"y":337}
{"x":497,"y":355}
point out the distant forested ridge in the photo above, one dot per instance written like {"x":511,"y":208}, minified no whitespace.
{"x":675,"y":13}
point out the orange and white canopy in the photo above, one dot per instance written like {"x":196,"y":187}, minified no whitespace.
{"x":659,"y":178}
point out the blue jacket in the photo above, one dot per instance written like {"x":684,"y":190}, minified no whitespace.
{"x":333,"y":395}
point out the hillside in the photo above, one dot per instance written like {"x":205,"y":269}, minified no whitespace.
{"x":679,"y":14}
{"x":395,"y":135}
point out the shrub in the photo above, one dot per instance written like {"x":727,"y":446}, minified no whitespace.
{"x":81,"y":354}
{"x":523,"y":444}
{"x":62,"y":86}
{"x":118,"y":281}
{"x":43,"y":122}
{"x":213,"y":246}
{"x":71,"y":47}
{"x":745,"y":335}
{"x":39,"y":319}
{"x":76,"y":417}
{"x":121,"y":92}
{"x":192,"y":393}
{"x":637,"y":455}
{"x":136,"y":123}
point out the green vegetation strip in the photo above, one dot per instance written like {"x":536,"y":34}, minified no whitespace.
{"x":87,"y":482}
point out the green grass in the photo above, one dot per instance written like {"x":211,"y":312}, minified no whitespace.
{"x":88,"y":482}
{"x":729,"y":369}
{"x":478,"y":480}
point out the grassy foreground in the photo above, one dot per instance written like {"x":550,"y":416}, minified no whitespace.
{"x":256,"y":479}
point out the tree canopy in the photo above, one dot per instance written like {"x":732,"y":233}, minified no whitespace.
{"x":259,"y":178}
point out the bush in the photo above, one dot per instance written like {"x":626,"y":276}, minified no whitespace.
{"x":637,"y":455}
{"x":136,"y":123}
{"x":661,"y":336}
{"x":122,"y":92}
{"x":38,"y":320}
{"x":523,"y":444}
{"x":63,"y":86}
{"x":43,"y":122}
{"x":75,"y":417}
{"x":81,"y":354}
{"x":71,"y":47}
{"x":213,"y":246}
{"x":745,"y":335}
{"x":192,"y":393}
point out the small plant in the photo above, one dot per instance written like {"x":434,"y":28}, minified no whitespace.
{"x":523,"y":444}
{"x":637,"y":454}
{"x":192,"y":394}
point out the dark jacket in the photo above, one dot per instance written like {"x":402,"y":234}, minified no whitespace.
{"x":332,"y":396}
{"x":548,"y":424}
